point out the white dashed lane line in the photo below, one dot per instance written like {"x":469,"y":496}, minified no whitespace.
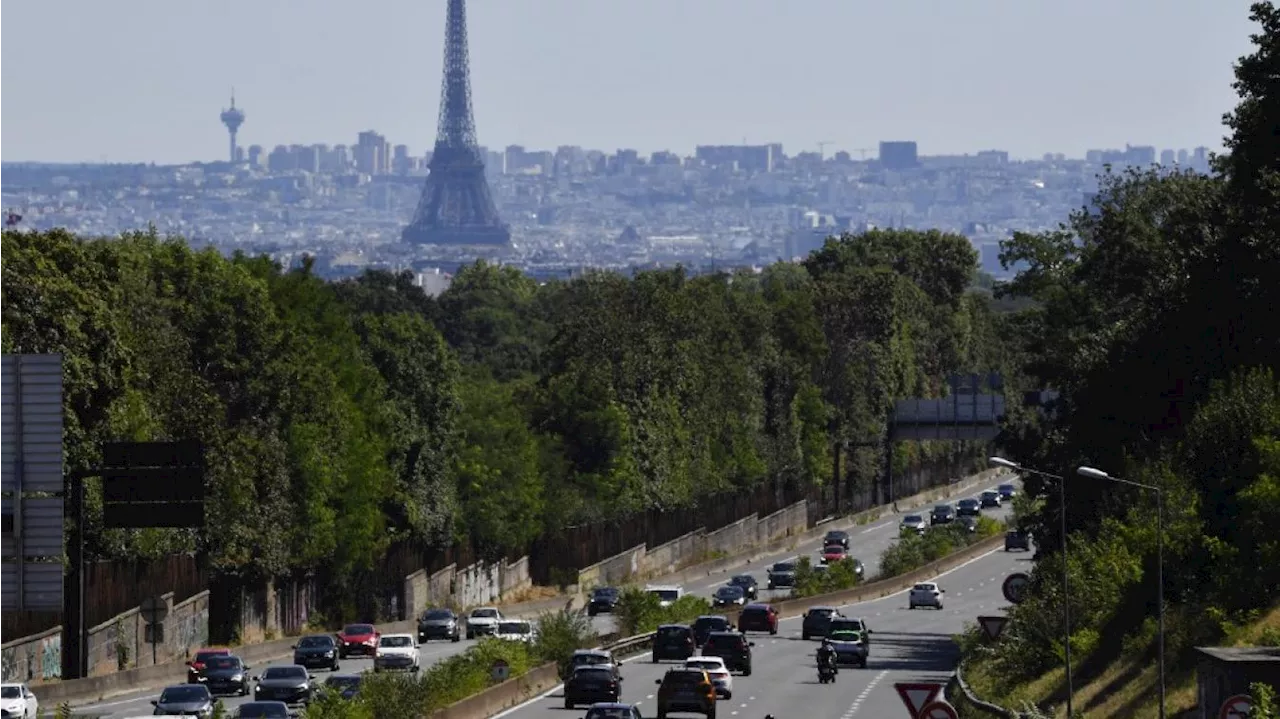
{"x":862,"y":696}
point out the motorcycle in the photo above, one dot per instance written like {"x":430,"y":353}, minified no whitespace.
{"x":826,"y":673}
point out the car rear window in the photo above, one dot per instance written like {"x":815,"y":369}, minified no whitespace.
{"x":684,"y":678}
{"x":726,"y":641}
{"x":673,"y":631}
{"x":593,"y":673}
{"x":924,"y":587}
{"x":586,"y":659}
{"x":753,"y":611}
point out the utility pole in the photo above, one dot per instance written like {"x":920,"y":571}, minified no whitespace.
{"x":822,"y":148}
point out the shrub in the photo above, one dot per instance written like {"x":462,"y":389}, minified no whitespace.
{"x":639,"y":611}
{"x":837,"y":576}
{"x":913,"y":550}
{"x":560,"y":633}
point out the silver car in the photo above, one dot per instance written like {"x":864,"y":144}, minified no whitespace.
{"x":184,"y":700}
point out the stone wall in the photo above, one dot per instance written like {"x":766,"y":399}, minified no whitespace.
{"x":615,"y":570}
{"x":464,"y":587}
{"x":668,"y":557}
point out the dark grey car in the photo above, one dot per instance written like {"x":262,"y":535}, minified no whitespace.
{"x":439,"y":624}
{"x":817,"y":621}
{"x":225,"y":675}
{"x":782,"y":574}
{"x":318,"y":650}
{"x":344,"y":685}
{"x":184,"y":700}
{"x":288,"y":683}
{"x":263,"y":710}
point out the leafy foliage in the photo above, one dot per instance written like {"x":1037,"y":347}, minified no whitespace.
{"x":913,"y":550}
{"x":837,"y":576}
{"x":638,"y":611}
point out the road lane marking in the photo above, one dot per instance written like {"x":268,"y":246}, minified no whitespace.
{"x":862,"y":696}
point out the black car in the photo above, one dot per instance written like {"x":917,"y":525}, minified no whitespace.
{"x":184,"y":700}
{"x":733,"y":648}
{"x":729,"y":596}
{"x":817,"y":621}
{"x":942,"y":514}
{"x":782,"y":574}
{"x":1017,"y":539}
{"x":288,"y":683}
{"x":836,"y":536}
{"x":673,"y":641}
{"x":439,"y":624}
{"x":990,"y":499}
{"x":346,"y":686}
{"x":968,"y":508}
{"x":703,"y":627}
{"x":749,"y":585}
{"x":1007,"y":491}
{"x":968,"y":523}
{"x":226,"y":675}
{"x":603,"y":601}
{"x":591,"y":684}
{"x":263,"y":710}
{"x":319,"y":651}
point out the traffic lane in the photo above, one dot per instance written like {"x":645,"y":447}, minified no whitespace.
{"x":784,"y":678}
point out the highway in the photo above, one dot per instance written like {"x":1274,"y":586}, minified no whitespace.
{"x":867,"y":544}
{"x":906,"y":645}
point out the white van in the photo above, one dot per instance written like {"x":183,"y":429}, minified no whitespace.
{"x":667,"y":594}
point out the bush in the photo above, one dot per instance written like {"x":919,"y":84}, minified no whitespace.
{"x":811,"y":582}
{"x":560,"y":633}
{"x":913,"y":551}
{"x":639,"y":611}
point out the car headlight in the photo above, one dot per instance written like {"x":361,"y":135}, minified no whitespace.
{"x":328,"y":654}
{"x":237,"y":677}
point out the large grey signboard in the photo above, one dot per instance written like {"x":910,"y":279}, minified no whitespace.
{"x":31,"y":479}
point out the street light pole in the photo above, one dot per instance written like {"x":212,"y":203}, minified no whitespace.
{"x":1099,"y":474}
{"x":1066,"y":591}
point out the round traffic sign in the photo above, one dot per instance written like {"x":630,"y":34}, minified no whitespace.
{"x":1236,"y":707}
{"x":1015,"y":586}
{"x":500,"y":671}
{"x":938,"y":710}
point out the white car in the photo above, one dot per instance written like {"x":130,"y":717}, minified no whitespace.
{"x":516,"y":630}
{"x":396,"y":651}
{"x":17,"y":701}
{"x":926,"y":594}
{"x":483,"y":622}
{"x":913,"y":523}
{"x":719,"y":673}
{"x":667,"y":594}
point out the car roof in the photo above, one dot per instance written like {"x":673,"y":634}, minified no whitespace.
{"x":592,"y":653}
{"x":664,"y":626}
{"x":713,"y":660}
{"x":758,"y":605}
{"x":359,"y":624}
{"x":727,"y":634}
{"x":213,"y":650}
{"x":399,"y":635}
{"x":662,"y":588}
{"x":344,"y":676}
{"x":713,"y":616}
{"x":823,"y":607}
{"x":836,"y":531}
{"x":480,"y":609}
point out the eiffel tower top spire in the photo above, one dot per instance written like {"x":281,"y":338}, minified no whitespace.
{"x":456,"y":128}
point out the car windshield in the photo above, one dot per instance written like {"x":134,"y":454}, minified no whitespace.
{"x":263,"y":711}
{"x":285,"y":673}
{"x":666,"y":595}
{"x":202,"y":657}
{"x":1006,"y":487}
{"x":990,"y":494}
{"x":593,"y":673}
{"x":222,"y":663}
{"x":743,"y":580}
{"x":913,"y":519}
{"x":514,"y":628}
{"x":342,"y":682}
{"x":606,"y":593}
{"x":438,"y":614}
{"x":968,"y":502}
{"x":729,"y":592}
{"x":836,"y":536}
{"x":845,"y":635}
{"x":784,"y":567}
{"x":833,"y":549}
{"x":182,"y":695}
{"x":485,"y":614}
{"x":315,"y":642}
{"x":357,"y":630}
{"x":396,"y":641}
{"x":942,"y":509}
{"x":11,"y":693}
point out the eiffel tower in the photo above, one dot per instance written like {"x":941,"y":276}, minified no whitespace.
{"x":456,"y":207}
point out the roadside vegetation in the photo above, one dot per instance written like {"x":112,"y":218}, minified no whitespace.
{"x":914,"y":550}
{"x":639,"y":611}
{"x":1153,"y":315}
{"x":811,"y":581}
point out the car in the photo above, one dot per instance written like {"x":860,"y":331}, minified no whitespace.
{"x":925,"y":594}
{"x":968,"y":508}
{"x":318,"y":651}
{"x":849,"y":647}
{"x":590,"y":684}
{"x":733,"y":647}
{"x":288,"y":683}
{"x":817,"y":621}
{"x":613,"y":710}
{"x":396,"y":651}
{"x":1017,"y":539}
{"x":17,"y":700}
{"x":358,"y":639}
{"x":184,"y":700}
{"x":721,"y":677}
{"x":595,"y":658}
{"x":836,"y":536}
{"x":516,"y":630}
{"x":758,"y":618}
{"x":858,"y":569}
{"x":833,"y":553}
{"x":346,"y":686}
{"x":968,"y":523}
{"x":990,"y":498}
{"x":912,"y":523}
{"x":439,"y":624}
{"x":686,"y":690}
{"x":673,"y":641}
{"x":851,"y":624}
{"x":226,"y":675}
{"x":749,"y":585}
{"x":263,"y":710}
{"x":196,"y":665}
{"x":603,"y":601}
{"x":666,"y":594}
{"x":782,"y":574}
{"x":483,"y":621}
{"x":942,"y":514}
{"x":1007,"y":491}
{"x":706,"y":624}
{"x":729,"y":596}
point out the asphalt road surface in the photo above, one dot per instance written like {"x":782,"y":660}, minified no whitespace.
{"x":906,"y":646}
{"x":867,"y":543}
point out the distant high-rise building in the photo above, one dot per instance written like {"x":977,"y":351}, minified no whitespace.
{"x":1183,"y":157}
{"x":899,"y":155}
{"x":748,"y":158}
{"x":371,"y":153}
{"x":255,"y":156}
{"x":1167,"y":158}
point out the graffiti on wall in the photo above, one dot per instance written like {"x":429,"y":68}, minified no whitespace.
{"x":51,"y":657}
{"x":190,"y":631}
{"x":40,"y":659}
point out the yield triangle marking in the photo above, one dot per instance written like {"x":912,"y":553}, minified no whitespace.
{"x":915,"y":695}
{"x":938,"y":710}
{"x":992,"y":626}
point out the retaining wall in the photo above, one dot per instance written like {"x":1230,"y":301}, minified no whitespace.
{"x":666,"y":558}
{"x":614,"y":570}
{"x":462,"y":587}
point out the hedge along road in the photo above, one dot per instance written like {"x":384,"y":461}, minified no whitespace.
{"x":867,"y":543}
{"x":906,"y":645}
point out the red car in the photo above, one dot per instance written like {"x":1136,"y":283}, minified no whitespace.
{"x":358,"y":639}
{"x":758,"y":618}
{"x":196,"y":665}
{"x":833,"y":553}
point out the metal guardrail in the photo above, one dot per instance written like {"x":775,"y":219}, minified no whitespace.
{"x":957,"y":680}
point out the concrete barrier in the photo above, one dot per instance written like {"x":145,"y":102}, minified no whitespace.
{"x":502,"y":696}
{"x":461,"y":587}
{"x":617,"y":569}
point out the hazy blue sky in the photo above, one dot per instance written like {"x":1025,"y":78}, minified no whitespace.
{"x":144,"y":80}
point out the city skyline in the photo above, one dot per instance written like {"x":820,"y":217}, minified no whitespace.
{"x":1170,"y":92}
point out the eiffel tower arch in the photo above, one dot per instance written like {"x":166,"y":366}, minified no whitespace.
{"x":456,"y":206}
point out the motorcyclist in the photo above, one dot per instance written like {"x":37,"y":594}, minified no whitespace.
{"x":826,"y":654}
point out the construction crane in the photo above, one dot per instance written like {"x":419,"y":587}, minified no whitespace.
{"x":822,"y":148}
{"x":863,"y":151}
